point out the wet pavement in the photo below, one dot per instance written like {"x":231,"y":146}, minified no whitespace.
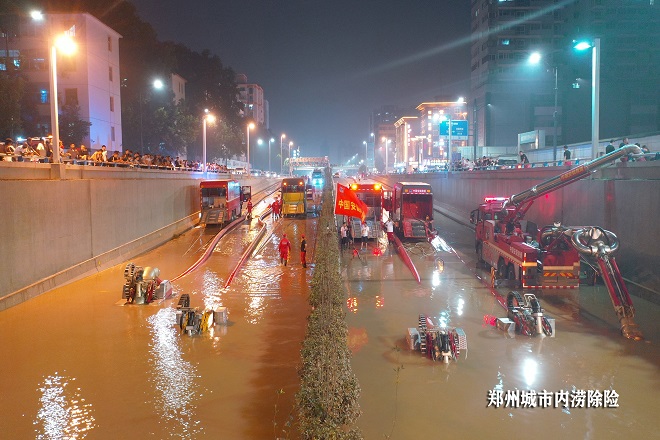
{"x":77,"y":365}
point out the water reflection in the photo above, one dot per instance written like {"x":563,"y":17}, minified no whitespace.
{"x":63,"y":413}
{"x":172,"y":376}
{"x":530,"y":369}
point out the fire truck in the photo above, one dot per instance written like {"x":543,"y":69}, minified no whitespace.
{"x":545,"y":258}
{"x":221,"y":201}
{"x":371,"y":193}
{"x":411,"y":208}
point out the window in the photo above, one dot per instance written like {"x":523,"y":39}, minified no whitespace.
{"x":43,"y":96}
{"x":71,"y":96}
{"x":110,"y":73}
{"x":112,"y":133}
{"x":109,"y":44}
{"x":112,"y":103}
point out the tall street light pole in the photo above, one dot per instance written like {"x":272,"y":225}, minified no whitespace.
{"x":535,"y":58}
{"x":250,"y":126}
{"x":595,"y":90}
{"x":290,"y":169}
{"x":67,"y":46}
{"x":208,"y":118}
{"x":281,"y":153}
{"x":269,"y":142}
{"x":387,"y":157}
{"x":157,"y":84}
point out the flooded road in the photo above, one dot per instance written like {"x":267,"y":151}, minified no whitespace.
{"x":405,"y":394}
{"x":77,"y":365}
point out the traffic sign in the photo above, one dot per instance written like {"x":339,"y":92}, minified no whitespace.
{"x":459,"y":128}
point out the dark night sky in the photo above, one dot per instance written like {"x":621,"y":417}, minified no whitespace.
{"x":325,"y":65}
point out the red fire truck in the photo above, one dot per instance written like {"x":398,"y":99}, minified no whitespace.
{"x":371,"y":193}
{"x":411,"y":208}
{"x":221,"y":201}
{"x":545,"y":258}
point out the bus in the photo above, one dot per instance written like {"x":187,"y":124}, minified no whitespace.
{"x":221,"y":201}
{"x":318,"y":178}
{"x":294,"y":197}
{"x":411,"y":208}
{"x":371,"y":193}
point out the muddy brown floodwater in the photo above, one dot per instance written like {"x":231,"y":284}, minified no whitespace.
{"x":78,"y":365}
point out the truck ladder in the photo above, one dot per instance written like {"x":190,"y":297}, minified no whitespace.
{"x":595,"y":246}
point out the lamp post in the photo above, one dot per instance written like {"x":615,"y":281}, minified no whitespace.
{"x":365,"y":151}
{"x":535,"y":58}
{"x":250,"y":126}
{"x":208,"y":118}
{"x":67,"y":46}
{"x":595,"y":89}
{"x":281,"y":153}
{"x":387,"y":157}
{"x":157,"y":84}
{"x":290,"y":145}
{"x":269,"y":142}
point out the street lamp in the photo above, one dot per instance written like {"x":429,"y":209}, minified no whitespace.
{"x":595,"y":89}
{"x":67,"y":46}
{"x":250,"y":126}
{"x":208,"y":118}
{"x":535,"y":58}
{"x":290,"y":145}
{"x":387,"y":157}
{"x":269,"y":142}
{"x":157,"y":84}
{"x":365,"y":150}
{"x":281,"y":159}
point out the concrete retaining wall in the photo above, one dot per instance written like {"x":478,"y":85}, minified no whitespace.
{"x":623,"y":198}
{"x":63,"y":222}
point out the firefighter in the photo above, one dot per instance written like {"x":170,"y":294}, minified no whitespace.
{"x":249,"y":208}
{"x":285,"y":248}
{"x":303,"y":251}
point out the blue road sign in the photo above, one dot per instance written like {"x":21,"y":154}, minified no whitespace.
{"x":459,"y":128}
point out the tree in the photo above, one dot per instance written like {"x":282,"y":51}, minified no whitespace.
{"x":72,"y":128}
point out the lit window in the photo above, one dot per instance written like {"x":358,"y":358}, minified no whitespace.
{"x":43,"y":96}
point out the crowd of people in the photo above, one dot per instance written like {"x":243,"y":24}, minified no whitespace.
{"x":39,"y":150}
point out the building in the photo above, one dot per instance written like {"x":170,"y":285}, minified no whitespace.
{"x":381,"y":124}
{"x":178,"y":87}
{"x":436,"y":146}
{"x":88,"y":79}
{"x":509,"y":96}
{"x":406,"y":131}
{"x":252,"y":97}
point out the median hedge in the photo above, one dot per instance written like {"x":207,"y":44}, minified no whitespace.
{"x":327,"y":402}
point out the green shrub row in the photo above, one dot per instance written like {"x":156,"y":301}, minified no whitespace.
{"x":327,"y":402}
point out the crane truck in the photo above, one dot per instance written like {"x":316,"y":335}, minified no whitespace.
{"x":549,"y":258}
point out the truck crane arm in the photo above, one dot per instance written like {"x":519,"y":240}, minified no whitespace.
{"x":522,"y":201}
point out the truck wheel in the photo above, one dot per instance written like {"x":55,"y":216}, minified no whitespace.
{"x":511,"y":272}
{"x":501,"y":268}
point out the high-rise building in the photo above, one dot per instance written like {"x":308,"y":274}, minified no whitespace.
{"x":252,"y":97}
{"x":509,"y":96}
{"x":88,"y":79}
